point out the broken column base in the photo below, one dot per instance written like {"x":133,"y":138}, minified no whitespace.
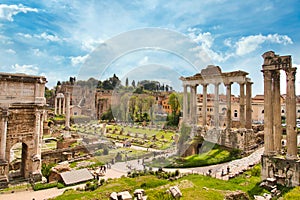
{"x":285,"y":171}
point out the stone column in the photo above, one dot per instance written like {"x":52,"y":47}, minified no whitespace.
{"x":4,"y":119}
{"x":204,"y":105}
{"x":193,"y":105}
{"x":249,"y":105}
{"x":64,"y":105}
{"x":55,"y":106}
{"x":291,"y":114}
{"x":185,"y":104}
{"x":59,"y":106}
{"x":228,"y":101}
{"x":268,"y":114}
{"x":277,"y":130}
{"x":216,"y":105}
{"x":67,"y":121}
{"x":242,"y":105}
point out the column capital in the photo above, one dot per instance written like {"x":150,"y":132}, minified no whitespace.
{"x":5,"y":114}
{"x":204,"y":84}
{"x":291,"y":73}
{"x":227,"y":84}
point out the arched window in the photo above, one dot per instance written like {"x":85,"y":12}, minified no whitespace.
{"x":262,"y":111}
{"x":235,"y":113}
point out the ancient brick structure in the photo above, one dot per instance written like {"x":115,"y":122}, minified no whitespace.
{"x":22,"y":114}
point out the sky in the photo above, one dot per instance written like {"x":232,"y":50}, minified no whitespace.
{"x":151,"y":39}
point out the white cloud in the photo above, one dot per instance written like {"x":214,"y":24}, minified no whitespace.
{"x":28,"y":36}
{"x":8,"y":11}
{"x":144,"y":61}
{"x":37,"y":52}
{"x":48,"y":37}
{"x":78,"y":60}
{"x":27,"y":69}
{"x":11,"y":51}
{"x":250,"y":43}
{"x":91,"y":44}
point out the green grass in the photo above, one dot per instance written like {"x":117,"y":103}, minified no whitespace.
{"x":191,"y":186}
{"x":293,"y":194}
{"x":214,"y":156}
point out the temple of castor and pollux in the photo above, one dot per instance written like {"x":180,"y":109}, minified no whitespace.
{"x":23,"y":113}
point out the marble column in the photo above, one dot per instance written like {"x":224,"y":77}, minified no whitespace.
{"x":59,"y":106}
{"x":249,"y":105}
{"x":67,"y":120}
{"x":55,"y":106}
{"x":193,"y":105}
{"x":185,"y":104}
{"x":277,"y":129}
{"x":4,"y":119}
{"x":228,"y":101}
{"x":204,"y":105}
{"x":291,"y":130}
{"x":64,"y":105}
{"x":242,"y":105}
{"x":268,"y":114}
{"x":216,"y":105}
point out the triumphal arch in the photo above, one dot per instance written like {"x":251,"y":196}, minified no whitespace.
{"x":277,"y":162}
{"x":22,"y":112}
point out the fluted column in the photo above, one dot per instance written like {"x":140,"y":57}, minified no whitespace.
{"x":249,"y":105}
{"x":291,"y":114}
{"x":55,"y":106}
{"x":242,"y":105}
{"x":204,"y":105}
{"x":59,"y":106}
{"x":67,"y":120}
{"x":228,"y":101}
{"x":277,"y":112}
{"x":216,"y":105}
{"x":4,"y":119}
{"x":64,"y":106}
{"x":185,"y":104}
{"x":268,"y":114}
{"x":193,"y":104}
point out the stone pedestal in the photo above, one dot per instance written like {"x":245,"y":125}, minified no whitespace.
{"x":3,"y":174}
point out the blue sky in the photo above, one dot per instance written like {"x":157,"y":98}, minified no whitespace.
{"x":59,"y":39}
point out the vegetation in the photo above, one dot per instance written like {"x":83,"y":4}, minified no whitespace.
{"x":191,"y":186}
{"x":46,"y":170}
{"x":215,"y":156}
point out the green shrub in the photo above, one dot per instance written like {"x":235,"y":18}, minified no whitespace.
{"x":42,"y":186}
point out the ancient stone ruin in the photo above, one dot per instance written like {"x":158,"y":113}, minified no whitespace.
{"x":218,"y":128}
{"x":22,"y":112}
{"x":276,"y":163}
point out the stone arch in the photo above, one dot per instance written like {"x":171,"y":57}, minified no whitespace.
{"x":15,"y":169}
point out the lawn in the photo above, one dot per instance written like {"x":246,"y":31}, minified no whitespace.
{"x":191,"y":186}
{"x":214,"y":156}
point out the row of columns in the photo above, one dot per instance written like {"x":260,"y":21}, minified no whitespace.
{"x":272,"y":113}
{"x":245,"y":115}
{"x":60,"y":107}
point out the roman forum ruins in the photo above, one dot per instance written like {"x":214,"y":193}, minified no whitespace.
{"x":280,"y":165}
{"x":22,"y":111}
{"x":241,"y":138}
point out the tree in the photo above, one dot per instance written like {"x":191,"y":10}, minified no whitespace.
{"x":126,"y":82}
{"x":175,"y":107}
{"x":46,"y":170}
{"x":125,"y":106}
{"x":133,"y":84}
{"x":132,"y":104}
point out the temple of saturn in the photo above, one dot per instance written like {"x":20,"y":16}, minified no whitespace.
{"x":62,"y":106}
{"x":22,"y":112}
{"x":284,"y":166}
{"x":241,"y":137}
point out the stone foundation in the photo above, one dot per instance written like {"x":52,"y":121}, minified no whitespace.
{"x":285,"y":171}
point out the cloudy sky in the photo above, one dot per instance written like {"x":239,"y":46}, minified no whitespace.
{"x":60,"y":38}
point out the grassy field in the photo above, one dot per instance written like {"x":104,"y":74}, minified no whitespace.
{"x":191,"y":186}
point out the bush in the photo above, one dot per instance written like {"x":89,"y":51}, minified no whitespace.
{"x":42,"y":186}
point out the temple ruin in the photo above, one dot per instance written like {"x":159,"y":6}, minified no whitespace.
{"x":284,"y":166}
{"x":242,"y":136}
{"x":22,"y":112}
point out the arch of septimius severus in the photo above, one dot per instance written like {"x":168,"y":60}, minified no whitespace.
{"x":22,"y":113}
{"x":241,"y":138}
{"x":284,"y":166}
